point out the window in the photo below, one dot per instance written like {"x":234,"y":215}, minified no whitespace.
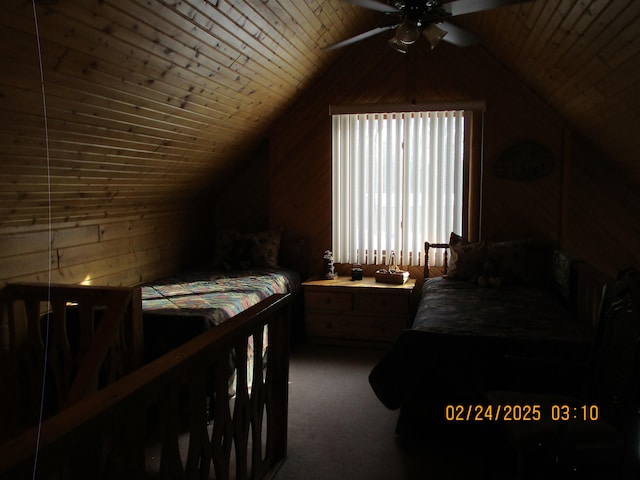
{"x":398,"y":179}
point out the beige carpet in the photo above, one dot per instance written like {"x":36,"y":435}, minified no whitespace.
{"x":339,"y":430}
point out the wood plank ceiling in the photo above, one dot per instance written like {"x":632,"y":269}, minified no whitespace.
{"x":148,"y":100}
{"x":583,"y":58}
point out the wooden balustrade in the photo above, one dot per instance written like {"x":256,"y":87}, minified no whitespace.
{"x":180,"y":416}
{"x":73,"y":338}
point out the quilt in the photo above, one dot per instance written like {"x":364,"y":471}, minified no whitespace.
{"x":215,"y":295}
{"x":515,"y":312}
{"x":462,"y":334}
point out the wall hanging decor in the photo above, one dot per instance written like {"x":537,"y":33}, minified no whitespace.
{"x":525,"y":161}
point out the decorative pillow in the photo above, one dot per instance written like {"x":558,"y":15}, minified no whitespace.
{"x":235,"y":250}
{"x":466,"y":260}
{"x":562,"y":269}
{"x":240,"y":256}
{"x":266,"y":245}
{"x":225,"y":240}
{"x":455,"y":239}
{"x":500,"y":262}
{"x":508,"y":260}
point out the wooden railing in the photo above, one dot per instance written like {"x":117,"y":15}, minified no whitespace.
{"x":180,"y":416}
{"x":70,"y":339}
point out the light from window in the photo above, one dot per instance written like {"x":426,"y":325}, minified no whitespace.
{"x":397,"y":182}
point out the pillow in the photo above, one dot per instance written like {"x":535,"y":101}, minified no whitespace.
{"x":508,"y":260}
{"x":501,"y":262}
{"x":455,"y":239}
{"x":265,"y":249}
{"x":235,"y":250}
{"x":562,"y":273}
{"x":224,"y":244}
{"x":240,"y":256}
{"x":466,"y":260}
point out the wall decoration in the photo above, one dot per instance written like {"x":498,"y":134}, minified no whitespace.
{"x":525,"y":161}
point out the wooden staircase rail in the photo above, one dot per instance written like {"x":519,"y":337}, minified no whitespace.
{"x":108,"y":341}
{"x":105,"y":434}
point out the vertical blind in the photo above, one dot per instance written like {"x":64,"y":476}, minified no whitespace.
{"x":397,"y":182}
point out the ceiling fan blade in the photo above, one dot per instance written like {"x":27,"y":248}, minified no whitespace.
{"x":458,"y":36}
{"x":462,"y":7}
{"x":357,"y":38}
{"x":373,"y":5}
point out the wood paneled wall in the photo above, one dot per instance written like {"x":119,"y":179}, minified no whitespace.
{"x":300,"y":178}
{"x":301,"y":143}
{"x":153,"y":104}
{"x":601,"y":221}
{"x":150,"y":107}
{"x":124,"y":250}
{"x":581,"y":57}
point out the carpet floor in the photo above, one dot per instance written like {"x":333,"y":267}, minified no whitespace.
{"x":339,"y":430}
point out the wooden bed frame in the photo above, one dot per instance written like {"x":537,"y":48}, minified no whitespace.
{"x":402,"y":380}
{"x":180,"y":398}
{"x":427,"y":266}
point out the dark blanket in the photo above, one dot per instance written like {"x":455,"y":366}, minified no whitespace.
{"x":514,"y":312}
{"x":462,"y":334}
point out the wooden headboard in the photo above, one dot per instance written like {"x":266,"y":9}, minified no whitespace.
{"x":427,"y":246}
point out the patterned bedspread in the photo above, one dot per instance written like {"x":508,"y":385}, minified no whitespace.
{"x":462,"y":335}
{"x":515,"y":312}
{"x":215,"y":295}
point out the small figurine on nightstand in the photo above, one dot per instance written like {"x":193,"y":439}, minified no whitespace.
{"x":329,"y":272}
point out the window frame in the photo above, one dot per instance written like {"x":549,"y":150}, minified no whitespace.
{"x":472,"y":156}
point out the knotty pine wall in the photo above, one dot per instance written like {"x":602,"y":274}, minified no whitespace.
{"x":601,"y":218}
{"x":581,"y":205}
{"x":548,"y":209}
{"x":118,"y":249}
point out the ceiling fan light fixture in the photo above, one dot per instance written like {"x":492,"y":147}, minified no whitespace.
{"x":434,"y":35}
{"x":398,"y":45}
{"x":407,"y":32}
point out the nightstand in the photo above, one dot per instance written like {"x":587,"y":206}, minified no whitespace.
{"x":356,"y":311}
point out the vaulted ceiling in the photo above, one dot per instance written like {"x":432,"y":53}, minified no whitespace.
{"x":149,"y":98}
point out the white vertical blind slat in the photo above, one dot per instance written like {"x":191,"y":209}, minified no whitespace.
{"x":399,"y":185}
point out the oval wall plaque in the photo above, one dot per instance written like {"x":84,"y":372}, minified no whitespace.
{"x":525,"y":161}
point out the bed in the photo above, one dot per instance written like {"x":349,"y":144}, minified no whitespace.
{"x":246,"y":269}
{"x":215,"y":377}
{"x":179,"y":307}
{"x":497,"y":301}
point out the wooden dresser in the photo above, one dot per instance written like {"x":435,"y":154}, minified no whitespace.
{"x":356,"y":312}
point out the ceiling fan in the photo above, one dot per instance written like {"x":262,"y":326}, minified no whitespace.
{"x":426,"y":17}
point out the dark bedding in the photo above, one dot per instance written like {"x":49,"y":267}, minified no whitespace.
{"x":462,"y":334}
{"x":513,"y":312}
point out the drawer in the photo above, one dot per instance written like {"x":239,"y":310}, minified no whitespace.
{"x":374,"y":328}
{"x":394,"y":305}
{"x":354,"y":327}
{"x":319,"y":325}
{"x":327,"y":300}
